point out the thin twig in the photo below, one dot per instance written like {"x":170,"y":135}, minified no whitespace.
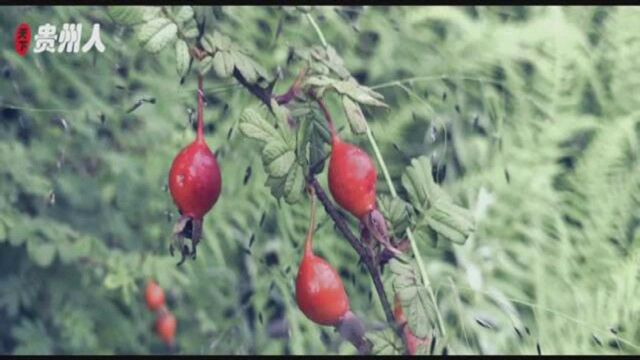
{"x":368,"y":261}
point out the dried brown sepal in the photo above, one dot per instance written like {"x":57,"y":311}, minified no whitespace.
{"x":376,"y":226}
{"x":352,"y":329}
{"x":186,"y":228}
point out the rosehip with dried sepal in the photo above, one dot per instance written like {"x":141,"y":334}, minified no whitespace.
{"x":195,"y":184}
{"x":352,"y":180}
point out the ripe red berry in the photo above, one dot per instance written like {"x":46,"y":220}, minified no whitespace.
{"x":352,"y":178}
{"x":194,"y":178}
{"x":320,"y":293}
{"x":352,"y":183}
{"x":166,"y":327}
{"x":195,"y":181}
{"x":154,"y":296}
{"x":352,"y":175}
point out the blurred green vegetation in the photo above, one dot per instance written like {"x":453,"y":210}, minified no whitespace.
{"x":530,"y":113}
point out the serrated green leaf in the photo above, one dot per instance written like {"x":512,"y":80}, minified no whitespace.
{"x":356,"y":118}
{"x":205,"y":65}
{"x":319,"y":81}
{"x":184,"y":13}
{"x":42,"y":253}
{"x":276,"y":185}
{"x":363,"y":96}
{"x":220,"y":66}
{"x":453,"y":225}
{"x":253,"y":125}
{"x":161,"y":39}
{"x":157,"y":33}
{"x":228,"y":62}
{"x":281,"y":165}
{"x":282,"y":115}
{"x":417,"y":180}
{"x":191,"y":30}
{"x":262,"y":72}
{"x":404,"y":280}
{"x":399,"y":268}
{"x":182,"y":57}
{"x":396,"y":211}
{"x":303,"y":135}
{"x":420,"y":314}
{"x":336,"y":63}
{"x":146,"y":31}
{"x":294,"y":185}
{"x":330,"y":60}
{"x":150,"y":12}
{"x":208,"y":43}
{"x":358,"y":93}
{"x":245,"y":66}
{"x":407,"y":293}
{"x":449,"y":220}
{"x":317,"y":152}
{"x":221,"y":41}
{"x":345,"y":87}
{"x":131,"y":15}
{"x":385,"y":342}
{"x":413,"y":298}
{"x":273,"y":150}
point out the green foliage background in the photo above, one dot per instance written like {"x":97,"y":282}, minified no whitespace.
{"x":531,"y":113}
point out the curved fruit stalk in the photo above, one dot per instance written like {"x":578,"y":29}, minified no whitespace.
{"x":411,"y":340}
{"x":166,"y":327}
{"x":154,"y":296}
{"x":352,"y":179}
{"x":320,"y":293}
{"x":195,"y":184}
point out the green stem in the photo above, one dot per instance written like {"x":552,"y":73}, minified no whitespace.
{"x":200,"y":133}
{"x":412,"y":241}
{"x":318,"y":31}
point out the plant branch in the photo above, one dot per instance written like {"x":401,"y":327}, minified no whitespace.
{"x":414,"y":246}
{"x":265,"y":96}
{"x":317,"y":29}
{"x":261,"y":93}
{"x":367,"y":259}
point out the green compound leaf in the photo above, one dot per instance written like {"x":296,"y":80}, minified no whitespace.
{"x":356,"y":118}
{"x":413,"y":298}
{"x":253,"y":125}
{"x":157,"y":33}
{"x":182,"y":57}
{"x":435,"y":208}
